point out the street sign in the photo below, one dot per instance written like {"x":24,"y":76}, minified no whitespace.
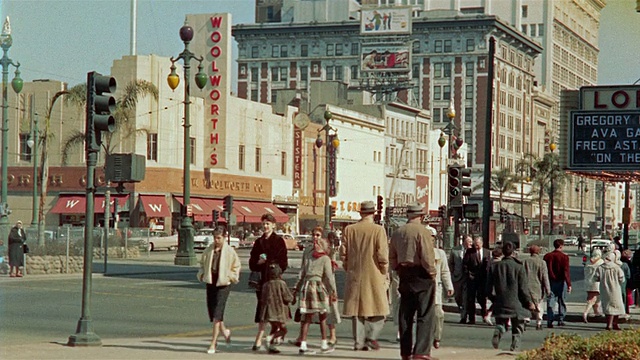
{"x":189,"y":210}
{"x":604,"y":140}
{"x":471,"y":211}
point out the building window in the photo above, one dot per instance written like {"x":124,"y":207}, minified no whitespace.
{"x":437,"y":93}
{"x":468,"y":115}
{"x":437,"y":115}
{"x":152,"y":147}
{"x":258,"y":159}
{"x":275,"y":50}
{"x":338,"y":49}
{"x":339,"y":73}
{"x":415,"y":72}
{"x":446,"y":92}
{"x":304,"y":73}
{"x":525,"y":11}
{"x":25,"y":150}
{"x":438,"y":46}
{"x":274,"y":96}
{"x":416,"y":47}
{"x":304,"y":50}
{"x":355,"y":49}
{"x":471,"y":44}
{"x":447,"y":46}
{"x":354,"y":72}
{"x":540,"y":29}
{"x":255,"y":77}
{"x":193,"y":150}
{"x":329,"y":73}
{"x":283,"y":74}
{"x":275,"y":74}
{"x":284,"y":51}
{"x":468,"y":71}
{"x":533,"y":31}
{"x":329,"y":49}
{"x":241,"y":157}
{"x":283,"y":164}
{"x":254,"y":94}
{"x":524,"y":28}
{"x":254,"y":52}
{"x":468,"y":92}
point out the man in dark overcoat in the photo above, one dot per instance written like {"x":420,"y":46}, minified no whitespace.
{"x":508,"y":291}
{"x":475,"y":266}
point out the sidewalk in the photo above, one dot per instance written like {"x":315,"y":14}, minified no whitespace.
{"x":195,"y":348}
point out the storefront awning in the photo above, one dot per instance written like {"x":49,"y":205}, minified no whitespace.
{"x":261,"y":208}
{"x":70,"y":204}
{"x":77,"y":204}
{"x":202,"y":210}
{"x":155,"y":206}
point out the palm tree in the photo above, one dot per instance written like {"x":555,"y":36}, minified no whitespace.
{"x":125,"y":124}
{"x":502,"y":181}
{"x":547,"y":178}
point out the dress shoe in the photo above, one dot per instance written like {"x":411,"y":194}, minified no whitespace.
{"x":549,"y":325}
{"x":471,"y":322}
{"x":487,"y":320}
{"x":463,"y":321}
{"x":436,"y":344}
{"x":372,"y":344}
{"x":360,"y":348}
{"x":538,"y":326}
{"x":227,"y":336}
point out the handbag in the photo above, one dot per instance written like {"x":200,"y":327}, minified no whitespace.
{"x":25,"y":248}
{"x":254,"y":279}
{"x":297,"y":316}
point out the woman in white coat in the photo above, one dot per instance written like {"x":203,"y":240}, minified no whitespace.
{"x":611,"y":277}
{"x":219,"y":268}
{"x":443,"y":280}
{"x":591,"y":286}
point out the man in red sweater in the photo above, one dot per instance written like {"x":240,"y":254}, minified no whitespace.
{"x":558,"y":266}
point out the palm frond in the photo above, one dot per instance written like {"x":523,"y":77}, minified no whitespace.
{"x":136,"y":90}
{"x":76,"y":138}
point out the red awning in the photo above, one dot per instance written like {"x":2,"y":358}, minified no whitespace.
{"x":202,"y":211}
{"x":269,"y":208}
{"x":70,"y":204}
{"x":251,"y":212}
{"x":100,"y":203}
{"x":155,"y":206}
{"x":77,"y":204}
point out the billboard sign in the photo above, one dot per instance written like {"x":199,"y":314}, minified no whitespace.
{"x":604,"y":140}
{"x":381,"y":21}
{"x":607,"y":98}
{"x":382,"y":57}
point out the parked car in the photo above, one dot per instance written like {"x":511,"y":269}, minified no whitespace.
{"x":157,"y":240}
{"x":571,"y":240}
{"x":304,"y":241}
{"x":204,"y":238}
{"x":291,"y":242}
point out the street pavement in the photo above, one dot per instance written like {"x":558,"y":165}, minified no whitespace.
{"x":146,"y":308}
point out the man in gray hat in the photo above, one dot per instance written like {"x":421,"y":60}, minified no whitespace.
{"x":365,"y":259}
{"x":412,"y":255}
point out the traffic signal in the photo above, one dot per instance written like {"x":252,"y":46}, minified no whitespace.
{"x":465,"y":181}
{"x":442,"y":211}
{"x":503,"y":215}
{"x":228,"y":205}
{"x":455,"y":193}
{"x":332,"y":214}
{"x":100,"y":108}
{"x":380,"y":204}
{"x":216,"y":215}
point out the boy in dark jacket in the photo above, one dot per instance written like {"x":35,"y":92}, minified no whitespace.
{"x":508,"y":291}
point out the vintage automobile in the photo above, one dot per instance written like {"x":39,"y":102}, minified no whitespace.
{"x":158,"y":240}
{"x":204,"y":238}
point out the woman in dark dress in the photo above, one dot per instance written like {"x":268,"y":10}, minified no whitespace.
{"x":17,"y":238}
{"x":267,"y":249}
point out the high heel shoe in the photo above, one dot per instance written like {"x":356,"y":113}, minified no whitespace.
{"x":584,"y":318}
{"x":227,"y":336}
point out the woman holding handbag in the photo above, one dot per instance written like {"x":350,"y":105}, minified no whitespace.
{"x":17,"y":239}
{"x":219,"y":268}
{"x":268,"y":249}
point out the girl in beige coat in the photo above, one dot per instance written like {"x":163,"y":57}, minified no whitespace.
{"x":219,"y":268}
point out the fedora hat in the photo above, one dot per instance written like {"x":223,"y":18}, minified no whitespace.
{"x":367,"y":207}
{"x":415,"y":209}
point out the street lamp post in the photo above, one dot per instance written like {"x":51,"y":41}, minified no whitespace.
{"x":552,"y":189}
{"x":6,"y":41}
{"x":581,"y":189}
{"x":450,"y":232}
{"x":32,"y":143}
{"x":185,"y":254}
{"x":330,"y":146}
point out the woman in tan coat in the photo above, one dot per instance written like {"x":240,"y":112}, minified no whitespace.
{"x":219,"y":268}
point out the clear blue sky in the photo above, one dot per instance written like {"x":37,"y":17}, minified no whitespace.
{"x":65,"y":39}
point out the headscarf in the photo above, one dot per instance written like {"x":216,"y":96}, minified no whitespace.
{"x":611,"y":257}
{"x":617,"y":258}
{"x":597,"y":254}
{"x":324,"y":246}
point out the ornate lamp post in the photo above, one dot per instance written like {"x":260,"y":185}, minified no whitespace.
{"x":552,"y":190}
{"x":441,"y":142}
{"x":32,"y":143}
{"x":450,"y":231}
{"x":6,"y":41}
{"x":331,"y":145}
{"x":185,"y":254}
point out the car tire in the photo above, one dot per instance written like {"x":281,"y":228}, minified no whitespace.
{"x":150,"y":247}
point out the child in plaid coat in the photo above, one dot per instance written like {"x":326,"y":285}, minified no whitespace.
{"x":276,"y":298}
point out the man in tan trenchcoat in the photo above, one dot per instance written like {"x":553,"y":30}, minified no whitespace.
{"x":365,"y":259}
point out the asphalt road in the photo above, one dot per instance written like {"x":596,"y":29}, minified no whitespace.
{"x":149,"y":297}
